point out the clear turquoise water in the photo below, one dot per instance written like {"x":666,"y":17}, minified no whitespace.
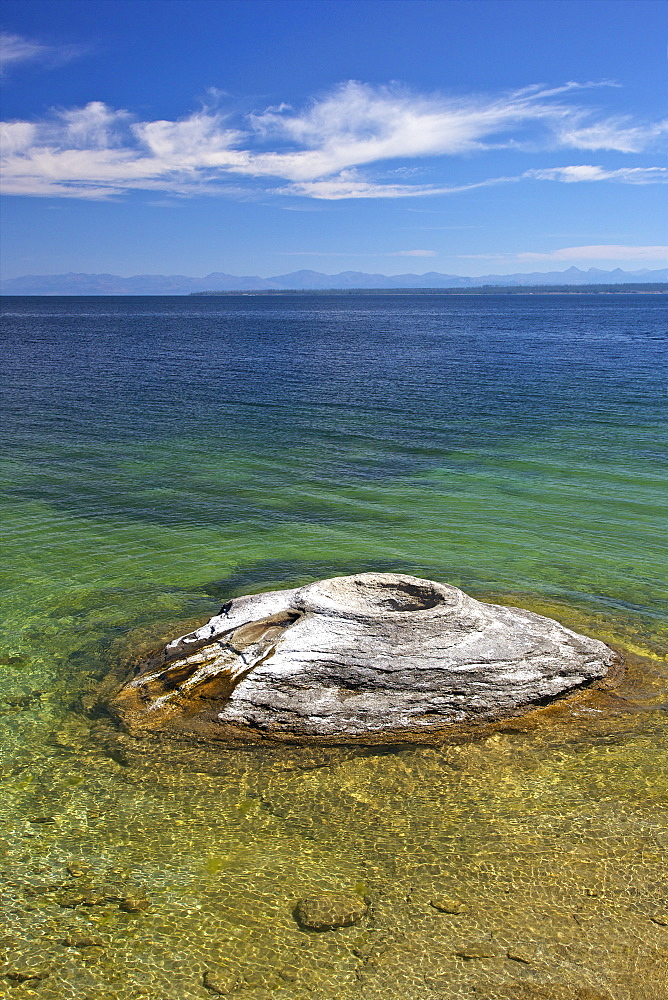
{"x":161,"y":454}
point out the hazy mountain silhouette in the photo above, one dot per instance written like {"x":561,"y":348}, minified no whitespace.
{"x":179,"y":284}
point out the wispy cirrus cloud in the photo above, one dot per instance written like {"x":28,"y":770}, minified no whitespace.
{"x":606,"y":252}
{"x":15,"y":50}
{"x":414,"y":253}
{"x":348,"y":184}
{"x":342,"y":253}
{"x":351,"y":184}
{"x":619,"y":134}
{"x":585,"y":172}
{"x":325,"y":151}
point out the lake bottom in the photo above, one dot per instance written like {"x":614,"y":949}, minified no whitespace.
{"x":147,"y":868}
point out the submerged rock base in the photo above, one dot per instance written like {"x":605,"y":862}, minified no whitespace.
{"x":378,"y":654}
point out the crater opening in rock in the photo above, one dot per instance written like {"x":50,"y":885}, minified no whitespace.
{"x":404,"y":597}
{"x":376,"y":595}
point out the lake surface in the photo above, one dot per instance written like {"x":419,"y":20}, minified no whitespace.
{"x":163,"y":454}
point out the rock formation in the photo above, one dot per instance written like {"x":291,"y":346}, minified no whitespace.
{"x":378,"y":654}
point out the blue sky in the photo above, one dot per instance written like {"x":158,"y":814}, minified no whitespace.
{"x":266,"y":136}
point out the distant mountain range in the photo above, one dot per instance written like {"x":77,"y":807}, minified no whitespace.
{"x":178,"y":284}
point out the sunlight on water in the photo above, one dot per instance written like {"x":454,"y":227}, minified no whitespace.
{"x":452,"y":440}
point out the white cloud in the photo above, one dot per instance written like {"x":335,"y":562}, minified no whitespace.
{"x":316,"y":153}
{"x":94,"y":126}
{"x":16,"y":137}
{"x":96,"y":152}
{"x":358,"y":124}
{"x":195,"y":142}
{"x":15,"y":49}
{"x":607,"y":252}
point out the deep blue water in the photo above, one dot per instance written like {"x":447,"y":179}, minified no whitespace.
{"x":489,"y":422}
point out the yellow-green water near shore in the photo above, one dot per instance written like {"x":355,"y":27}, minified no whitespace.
{"x":134,"y":505}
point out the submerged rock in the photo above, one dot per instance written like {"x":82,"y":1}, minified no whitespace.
{"x":220,"y":981}
{"x":373,"y":655}
{"x":538,"y":991}
{"x":134,"y":904}
{"x":26,"y":974}
{"x":478,"y":949}
{"x":81,"y":941}
{"x":525,"y":954}
{"x":445,"y":904}
{"x":330,"y":910}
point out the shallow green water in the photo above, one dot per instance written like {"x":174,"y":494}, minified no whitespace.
{"x":161,"y":455}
